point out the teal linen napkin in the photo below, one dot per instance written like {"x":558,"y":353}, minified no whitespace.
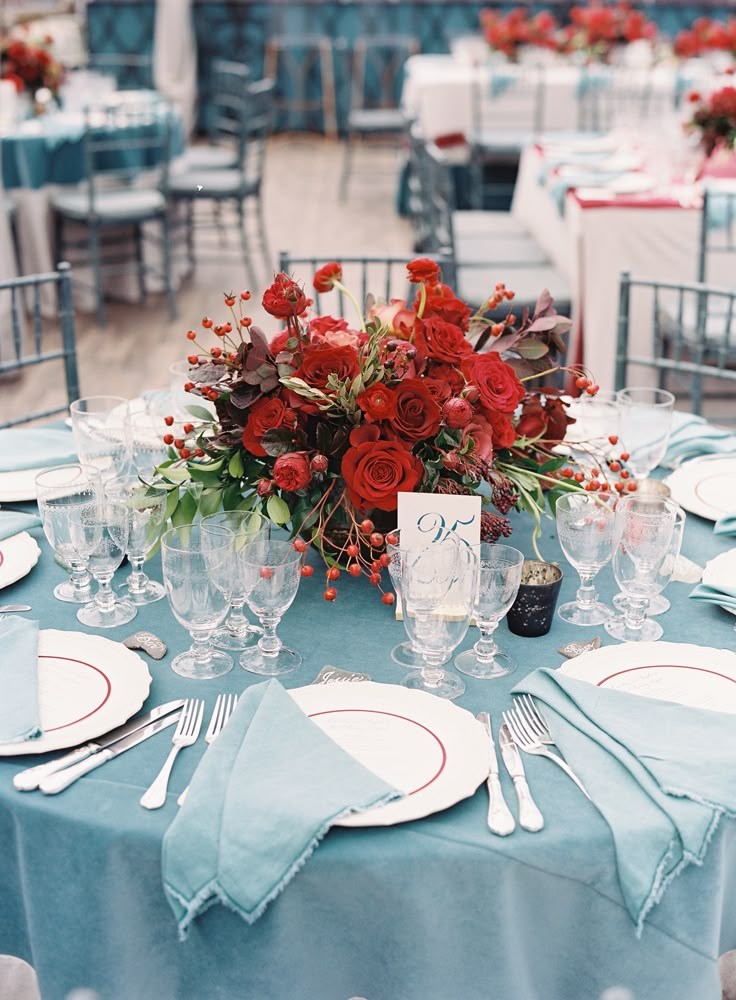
{"x":692,"y":436}
{"x":725,"y":596}
{"x":265,"y":794}
{"x":19,"y":718}
{"x":726,"y":525}
{"x":659,"y":783}
{"x":35,"y":448}
{"x":12,"y":521}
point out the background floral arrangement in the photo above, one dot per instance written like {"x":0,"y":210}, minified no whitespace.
{"x":714,"y":118}
{"x":323,"y":426}
{"x":508,"y":32}
{"x":706,"y":35}
{"x":28,"y":61}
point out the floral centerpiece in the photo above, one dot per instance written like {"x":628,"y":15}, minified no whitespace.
{"x":714,"y":118}
{"x":29,"y":62}
{"x":706,"y":35}
{"x":321,"y":427}
{"x":509,"y":32}
{"x":597,"y":29}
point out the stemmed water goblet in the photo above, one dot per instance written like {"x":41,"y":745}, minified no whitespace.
{"x":499,"y":577}
{"x":647,"y":539}
{"x":198,"y":580}
{"x":645,"y":422}
{"x":146,"y":507}
{"x":585,"y":529}
{"x":237,"y":633}
{"x":100,"y":434}
{"x":61,"y":491}
{"x":438,"y":587}
{"x":271,"y":575}
{"x":100,"y":534}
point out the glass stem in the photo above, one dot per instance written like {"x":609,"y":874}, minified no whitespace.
{"x":269,"y":643}
{"x":105,"y":596}
{"x":586,"y":596}
{"x":200,"y":648}
{"x":486,"y":648}
{"x":636,"y":613}
{"x":237,"y":624}
{"x":432,"y":668}
{"x":137,"y":579}
{"x":80,"y":578}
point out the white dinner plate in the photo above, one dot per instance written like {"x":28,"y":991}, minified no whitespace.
{"x":432,"y":750}
{"x":699,"y":676}
{"x":705,"y":486}
{"x":630,"y":184}
{"x":87,"y":685}
{"x":20,"y":484}
{"x":720,"y":572}
{"x":18,"y":555}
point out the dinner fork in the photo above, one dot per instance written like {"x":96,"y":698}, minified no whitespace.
{"x":526,"y":740}
{"x":185,"y":734}
{"x":220,"y":714}
{"x":536,"y":721}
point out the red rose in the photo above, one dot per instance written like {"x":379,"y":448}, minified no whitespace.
{"x":364,"y":432}
{"x":291,"y":471}
{"x":504,"y":432}
{"x":378,"y":402}
{"x":422,"y":269}
{"x":376,"y":471}
{"x":557,"y":418}
{"x":441,"y":340}
{"x":320,"y":361}
{"x":447,"y":374}
{"x":327,"y":276}
{"x":278,"y":343}
{"x":441,"y":301}
{"x":457,"y":412}
{"x":417,"y":413}
{"x":481,"y":430}
{"x":439,"y":389}
{"x":533,"y":420}
{"x":497,"y":383}
{"x":284,"y":298}
{"x":267,"y":412}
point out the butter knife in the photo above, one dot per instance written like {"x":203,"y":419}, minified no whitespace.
{"x":26,"y":781}
{"x":529,"y":815}
{"x":500,"y":820}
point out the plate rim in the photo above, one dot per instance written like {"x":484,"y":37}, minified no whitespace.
{"x":674,"y":481}
{"x":30,"y":554}
{"x":728,"y":552}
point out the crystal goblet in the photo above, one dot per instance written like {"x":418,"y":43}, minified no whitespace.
{"x":100,"y":434}
{"x":272,"y":572}
{"x":60,"y":492}
{"x":100,"y":534}
{"x":146,"y":507}
{"x":585,"y":530}
{"x":645,"y":422}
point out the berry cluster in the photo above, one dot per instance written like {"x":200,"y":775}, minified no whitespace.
{"x":365,"y":551}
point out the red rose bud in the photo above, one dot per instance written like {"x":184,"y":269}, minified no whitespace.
{"x":291,"y":471}
{"x":457,"y":412}
{"x":451,"y":460}
{"x":471,"y":394}
{"x":319,"y":463}
{"x":264,"y":487}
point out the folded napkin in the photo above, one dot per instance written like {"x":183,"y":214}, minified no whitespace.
{"x":558,"y":187}
{"x":659,"y":784}
{"x":725,"y":596}
{"x":19,"y":718}
{"x":265,"y":794}
{"x":692,"y":436}
{"x":35,"y":448}
{"x":12,"y":522}
{"x":726,"y":525}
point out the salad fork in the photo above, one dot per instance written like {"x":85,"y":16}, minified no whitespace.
{"x":527,"y":741}
{"x":220,"y":714}
{"x":185,"y":734}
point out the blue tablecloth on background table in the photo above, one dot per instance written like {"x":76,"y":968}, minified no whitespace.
{"x":437,"y":909}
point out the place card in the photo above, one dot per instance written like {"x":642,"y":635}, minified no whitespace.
{"x":333,"y":675}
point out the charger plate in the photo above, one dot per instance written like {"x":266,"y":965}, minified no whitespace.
{"x":87,"y":685}
{"x":699,"y":676}
{"x":432,"y":750}
{"x":705,"y":486}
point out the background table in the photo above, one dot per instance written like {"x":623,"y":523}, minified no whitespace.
{"x":430,"y":910}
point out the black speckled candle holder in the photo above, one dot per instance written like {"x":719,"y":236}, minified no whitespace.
{"x":532,"y":612}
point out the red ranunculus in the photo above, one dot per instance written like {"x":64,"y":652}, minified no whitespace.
{"x":376,"y":471}
{"x":291,"y":472}
{"x":284,"y":298}
{"x":417,"y":413}
{"x":441,"y":341}
{"x":497,"y":383}
{"x":327,"y":275}
{"x":378,"y":402}
{"x":320,"y":361}
{"x":266,"y":413}
{"x":422,"y":269}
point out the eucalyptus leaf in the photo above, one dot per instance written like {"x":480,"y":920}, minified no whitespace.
{"x":199,"y":412}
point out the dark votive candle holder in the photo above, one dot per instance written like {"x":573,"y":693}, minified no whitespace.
{"x":532,"y":612}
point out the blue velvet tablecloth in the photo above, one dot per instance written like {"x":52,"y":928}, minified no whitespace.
{"x":437,"y":909}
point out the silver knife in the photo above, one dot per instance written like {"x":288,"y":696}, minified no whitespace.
{"x":9,"y":609}
{"x":26,"y":781}
{"x":62,"y":779}
{"x":529,"y":815}
{"x":500,"y":820}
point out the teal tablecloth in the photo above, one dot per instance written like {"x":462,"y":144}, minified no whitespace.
{"x":437,"y":909}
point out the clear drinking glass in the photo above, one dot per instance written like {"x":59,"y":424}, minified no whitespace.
{"x":438,"y":587}
{"x":100,"y":434}
{"x":247,"y":525}
{"x":596,"y":419}
{"x":100,"y":534}
{"x":62,"y":491}
{"x":198,"y":581}
{"x":146,"y":507}
{"x":585,"y":530}
{"x":646,"y":544}
{"x":499,"y":572}
{"x":272,"y":571}
{"x":146,"y":431}
{"x":645,"y":425}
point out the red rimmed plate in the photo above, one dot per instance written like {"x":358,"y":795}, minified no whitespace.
{"x":18,"y":555}
{"x":705,"y":486}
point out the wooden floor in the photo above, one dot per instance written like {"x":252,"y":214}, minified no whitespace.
{"x":303,"y":216}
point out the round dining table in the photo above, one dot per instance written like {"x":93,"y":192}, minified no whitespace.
{"x":438,"y":908}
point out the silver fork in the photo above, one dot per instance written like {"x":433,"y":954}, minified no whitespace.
{"x":530,"y":743}
{"x":185,"y":734}
{"x":536,"y":721}
{"x":220,"y":714}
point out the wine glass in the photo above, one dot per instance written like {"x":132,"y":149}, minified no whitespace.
{"x":271,"y":575}
{"x":585,"y":530}
{"x":100,"y":434}
{"x":146,"y":507}
{"x":61,"y":491}
{"x":645,"y":421}
{"x":198,"y":580}
{"x":247,"y":525}
{"x":99,"y":533}
{"x":499,"y":571}
{"x":643,"y":561}
{"x":438,"y":586}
